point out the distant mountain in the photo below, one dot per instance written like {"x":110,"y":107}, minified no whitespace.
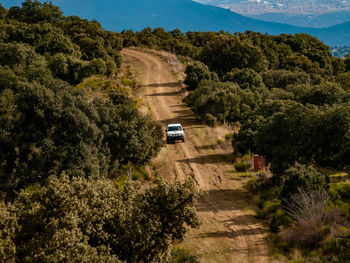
{"x":306,"y":13}
{"x":291,"y":7}
{"x":316,"y":21}
{"x":185,"y":15}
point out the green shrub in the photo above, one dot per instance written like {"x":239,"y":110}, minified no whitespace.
{"x":197,"y":72}
{"x":340,"y":196}
{"x":87,"y":220}
{"x":128,"y":82}
{"x":271,"y":193}
{"x":268,"y":208}
{"x":242,"y":166}
{"x":302,"y":176}
{"x":120,"y":181}
{"x":344,"y":206}
{"x":229,"y":136}
{"x":271,"y":210}
{"x":245,"y":78}
{"x":264,"y":185}
{"x":210,"y":120}
{"x":252,"y":185}
{"x":244,"y":163}
{"x":144,"y":173}
{"x":278,"y":243}
{"x":282,"y":219}
{"x":96,"y":66}
{"x":283,"y":246}
{"x":337,"y":250}
{"x":239,"y":155}
{"x":340,"y":190}
{"x":140,"y":173}
{"x":339,"y":177}
{"x":246,"y":158}
{"x":180,"y":255}
{"x":137,"y":173}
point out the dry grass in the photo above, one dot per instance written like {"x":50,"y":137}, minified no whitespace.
{"x":307,"y":204}
{"x":172,"y":60}
{"x":177,"y":67}
{"x":308,"y":209}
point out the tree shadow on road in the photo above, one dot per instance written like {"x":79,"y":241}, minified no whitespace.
{"x":223,"y":200}
{"x":233,"y":234}
{"x":207,"y":147}
{"x":168,"y":84}
{"x":160,"y":94}
{"x":186,"y":120}
{"x":212,"y":158}
{"x":237,"y":220}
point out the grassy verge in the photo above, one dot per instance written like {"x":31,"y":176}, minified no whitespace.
{"x":299,"y":236}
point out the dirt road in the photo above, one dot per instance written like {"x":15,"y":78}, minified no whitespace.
{"x":229,"y":232}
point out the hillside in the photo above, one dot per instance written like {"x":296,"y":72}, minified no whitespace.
{"x":187,"y":16}
{"x":86,"y":175}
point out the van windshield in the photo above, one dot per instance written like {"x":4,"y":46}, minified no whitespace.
{"x":174,"y":128}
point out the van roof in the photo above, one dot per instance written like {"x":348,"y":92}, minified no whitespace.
{"x":174,"y":124}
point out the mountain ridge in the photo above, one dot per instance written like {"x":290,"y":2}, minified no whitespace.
{"x":186,"y":15}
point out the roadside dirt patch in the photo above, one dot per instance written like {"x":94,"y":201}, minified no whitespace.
{"x":229,"y":232}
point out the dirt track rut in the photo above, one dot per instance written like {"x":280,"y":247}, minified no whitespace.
{"x":229,"y":231}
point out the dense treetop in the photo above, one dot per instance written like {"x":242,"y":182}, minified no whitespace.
{"x":222,"y":51}
{"x":47,"y":126}
{"x":82,"y":220}
{"x":67,"y":44}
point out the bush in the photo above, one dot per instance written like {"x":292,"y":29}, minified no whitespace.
{"x":226,"y":101}
{"x":210,"y":120}
{"x":229,"y":136}
{"x":272,"y":212}
{"x":242,"y":166}
{"x":180,"y":255}
{"x":337,"y":250}
{"x":83,"y":220}
{"x":340,"y":195}
{"x":245,"y":78}
{"x":279,"y":243}
{"x":96,"y":66}
{"x":252,"y":185}
{"x":137,"y":172}
{"x":340,"y":190}
{"x":197,"y":72}
{"x":303,"y":177}
{"x":267,"y":208}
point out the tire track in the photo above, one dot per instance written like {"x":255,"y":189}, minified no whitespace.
{"x":229,"y":232}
